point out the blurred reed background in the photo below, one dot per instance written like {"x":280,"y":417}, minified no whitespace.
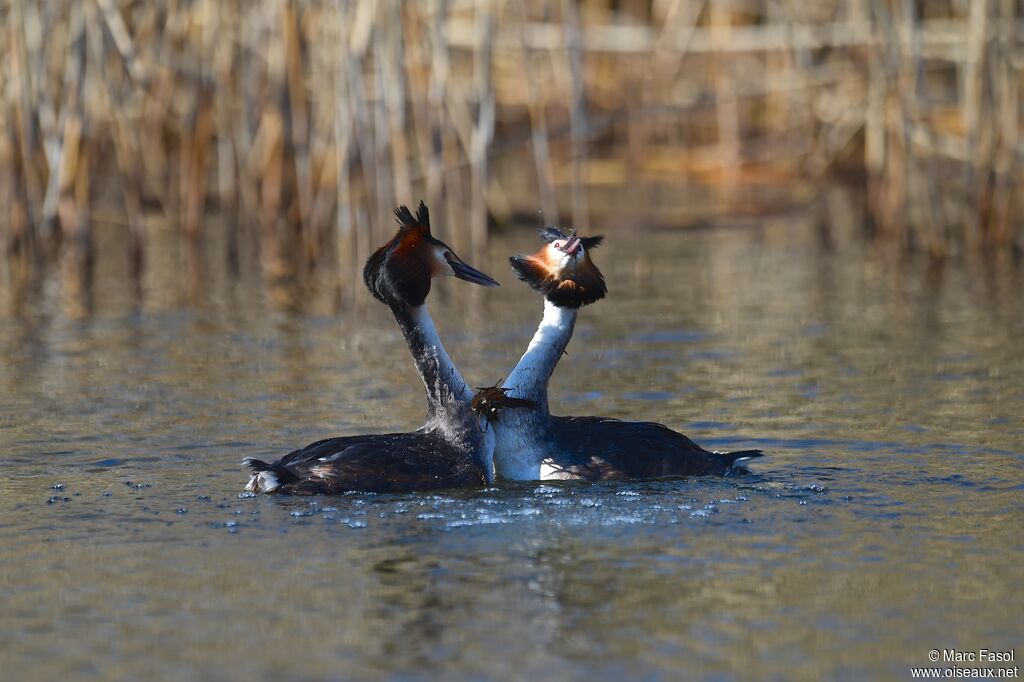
{"x":290,"y":129}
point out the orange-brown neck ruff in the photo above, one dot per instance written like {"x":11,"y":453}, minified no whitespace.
{"x":580,"y":287}
{"x":401,"y":270}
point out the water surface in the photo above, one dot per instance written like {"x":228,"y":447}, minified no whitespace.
{"x":884,"y":522}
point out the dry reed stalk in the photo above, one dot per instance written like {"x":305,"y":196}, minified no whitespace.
{"x":727,"y":111}
{"x":483,"y":130}
{"x":24,"y":116}
{"x":1006,"y":113}
{"x":577,"y":112}
{"x":299,"y":139}
{"x":539,"y":135}
{"x":972,"y":72}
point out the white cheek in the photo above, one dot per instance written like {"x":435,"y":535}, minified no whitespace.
{"x":443,"y":267}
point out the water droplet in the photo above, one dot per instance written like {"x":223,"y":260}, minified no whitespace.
{"x":246,"y":495}
{"x":182,"y":510}
{"x":58,"y":486}
{"x":107,"y":493}
{"x":302,"y":513}
{"x":230,"y":524}
{"x":357,"y":524}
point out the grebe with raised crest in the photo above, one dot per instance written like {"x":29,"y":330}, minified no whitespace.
{"x":532,"y":444}
{"x":454,"y":447}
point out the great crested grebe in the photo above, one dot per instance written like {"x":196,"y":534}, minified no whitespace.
{"x":530,"y":443}
{"x":454,"y":447}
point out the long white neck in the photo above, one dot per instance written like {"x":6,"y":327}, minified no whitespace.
{"x":440,"y":376}
{"x":521,"y":433}
{"x":530,"y":377}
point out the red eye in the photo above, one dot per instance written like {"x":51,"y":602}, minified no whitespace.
{"x":557,"y":244}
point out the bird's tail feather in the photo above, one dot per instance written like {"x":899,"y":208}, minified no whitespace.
{"x":266,"y":478}
{"x":735,"y":460}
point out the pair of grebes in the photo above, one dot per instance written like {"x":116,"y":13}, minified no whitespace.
{"x":504,"y":431}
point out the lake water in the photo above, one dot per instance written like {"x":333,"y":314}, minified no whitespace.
{"x":885,"y":521}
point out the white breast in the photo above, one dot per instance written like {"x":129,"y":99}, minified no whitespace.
{"x":517,"y":450}
{"x":550,"y":472}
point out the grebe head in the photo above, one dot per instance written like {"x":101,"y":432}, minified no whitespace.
{"x":562,"y":269}
{"x":401,"y":270}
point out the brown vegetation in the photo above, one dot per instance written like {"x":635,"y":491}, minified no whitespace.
{"x":299,"y":125}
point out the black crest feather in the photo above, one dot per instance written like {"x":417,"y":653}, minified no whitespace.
{"x":550,"y":234}
{"x":407,"y":221}
{"x":530,"y":271}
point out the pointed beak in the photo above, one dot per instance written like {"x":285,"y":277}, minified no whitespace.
{"x":572,"y":244}
{"x":463,"y":271}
